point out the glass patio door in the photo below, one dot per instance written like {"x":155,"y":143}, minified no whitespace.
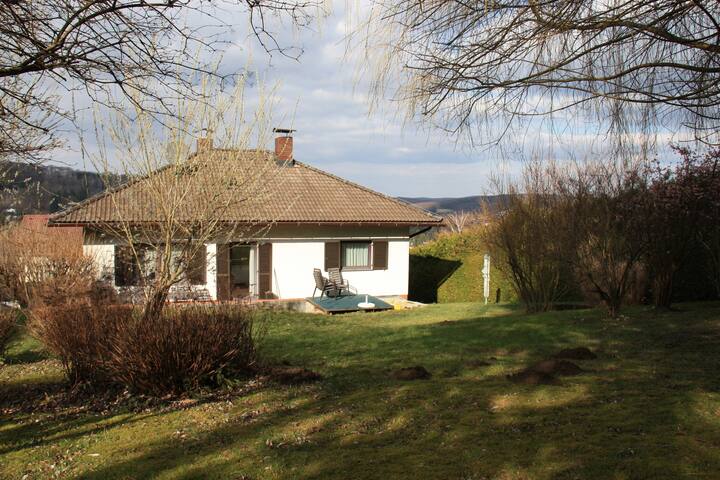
{"x":242,"y":271}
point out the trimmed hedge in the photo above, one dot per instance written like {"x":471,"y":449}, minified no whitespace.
{"x":449,"y":269}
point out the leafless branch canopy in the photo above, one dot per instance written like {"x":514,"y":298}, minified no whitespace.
{"x":140,"y":48}
{"x":631,"y":62}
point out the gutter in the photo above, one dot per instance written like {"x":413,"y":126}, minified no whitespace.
{"x":420,"y":232}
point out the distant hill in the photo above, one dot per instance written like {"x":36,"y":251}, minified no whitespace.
{"x":446,"y":205}
{"x":26,"y":188}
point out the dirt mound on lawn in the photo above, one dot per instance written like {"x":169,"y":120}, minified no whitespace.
{"x":293,"y":375}
{"x":544,"y":373}
{"x":411,"y":373}
{"x":476,"y":363}
{"x":531,"y":377}
{"x":579,"y":353}
{"x":556,"y":367}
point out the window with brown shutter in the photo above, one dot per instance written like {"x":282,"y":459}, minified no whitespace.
{"x":197,"y":266}
{"x":223,"y":271}
{"x":126,"y":271}
{"x":380,"y":255}
{"x":332,"y":255}
{"x":265,"y":270}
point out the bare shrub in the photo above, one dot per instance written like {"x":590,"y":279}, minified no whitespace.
{"x":574,"y":227}
{"x":77,"y":333}
{"x":682,"y":219}
{"x":183,"y":348}
{"x":602,"y":206}
{"x":8,"y":320}
{"x":36,"y":261}
{"x":526,"y":243}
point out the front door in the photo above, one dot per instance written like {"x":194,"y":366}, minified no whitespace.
{"x":240,"y":271}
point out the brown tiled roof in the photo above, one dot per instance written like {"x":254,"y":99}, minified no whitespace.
{"x":295,"y":193}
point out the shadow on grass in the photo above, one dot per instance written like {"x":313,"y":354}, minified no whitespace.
{"x":23,"y":349}
{"x":32,"y":434}
{"x":427,"y":275}
{"x":25,"y":357}
{"x":635,"y":415}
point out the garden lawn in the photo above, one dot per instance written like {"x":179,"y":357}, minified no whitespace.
{"x":648,"y":407}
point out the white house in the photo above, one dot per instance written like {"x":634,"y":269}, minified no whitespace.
{"x":311,"y":219}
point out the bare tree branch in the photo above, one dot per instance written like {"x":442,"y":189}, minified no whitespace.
{"x":469,"y":64}
{"x":142,"y":49}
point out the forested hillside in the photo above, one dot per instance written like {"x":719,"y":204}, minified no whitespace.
{"x":26,"y":188}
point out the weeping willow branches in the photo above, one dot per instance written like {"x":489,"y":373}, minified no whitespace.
{"x":488,"y":67}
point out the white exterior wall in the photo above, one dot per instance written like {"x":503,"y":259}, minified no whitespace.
{"x":393,"y":281}
{"x":294,"y":260}
{"x":211,"y":270}
{"x":104,"y":257}
{"x":296,"y":252}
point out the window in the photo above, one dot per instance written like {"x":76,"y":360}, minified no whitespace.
{"x":134,"y":267}
{"x":240,"y":266}
{"x":197,"y":266}
{"x":355,"y":255}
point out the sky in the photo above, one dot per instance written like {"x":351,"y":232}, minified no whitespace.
{"x":321,"y":97}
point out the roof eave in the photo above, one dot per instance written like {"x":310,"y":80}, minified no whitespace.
{"x":404,"y":223}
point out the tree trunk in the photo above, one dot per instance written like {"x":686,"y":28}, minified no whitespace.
{"x":613,"y":306}
{"x":663,"y":289}
{"x":155,"y":303}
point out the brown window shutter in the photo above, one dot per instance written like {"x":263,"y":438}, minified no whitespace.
{"x":126,"y":270}
{"x":197,"y":266}
{"x":332,"y":255}
{"x":265,"y":270}
{"x":380,"y":254}
{"x":222,"y":262}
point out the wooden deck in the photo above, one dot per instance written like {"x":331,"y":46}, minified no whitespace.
{"x":348,"y":303}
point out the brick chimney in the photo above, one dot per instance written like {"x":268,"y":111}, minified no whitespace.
{"x":205,"y":143}
{"x":284,"y":144}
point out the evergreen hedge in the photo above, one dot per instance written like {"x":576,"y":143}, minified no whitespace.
{"x":449,"y":269}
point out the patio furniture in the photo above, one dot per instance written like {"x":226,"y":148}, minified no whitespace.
{"x":324,"y":285}
{"x":366,"y":305}
{"x":336,"y":277}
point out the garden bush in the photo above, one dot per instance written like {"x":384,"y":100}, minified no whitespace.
{"x":8,"y":320}
{"x":620,"y":232}
{"x":183,"y":348}
{"x":33,"y":263}
{"x":79,"y":335}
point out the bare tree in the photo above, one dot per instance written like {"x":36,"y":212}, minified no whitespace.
{"x":457,"y":221}
{"x":184,"y":197}
{"x":146,"y":51}
{"x":525,"y":239}
{"x":683,"y":211}
{"x":602,"y":208}
{"x":632,"y":63}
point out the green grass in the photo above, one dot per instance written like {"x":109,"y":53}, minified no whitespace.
{"x":650,"y":407}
